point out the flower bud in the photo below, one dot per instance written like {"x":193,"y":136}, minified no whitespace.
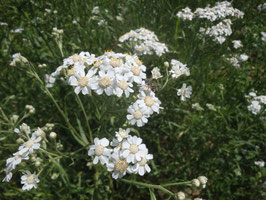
{"x":19,"y":141}
{"x":181,"y":195}
{"x":166,"y":64}
{"x":52,"y":135}
{"x":37,"y":163}
{"x":14,"y":118}
{"x":203,"y":180}
{"x":196,"y":182}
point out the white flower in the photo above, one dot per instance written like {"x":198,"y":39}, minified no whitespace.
{"x":137,"y":115}
{"x":254,"y":107}
{"x":49,"y":81}
{"x":82,"y":82}
{"x":237,"y":44}
{"x":203,"y":181}
{"x":17,"y":58}
{"x":100,"y":151}
{"x":141,"y":167}
{"x":23,"y":128}
{"x":263,"y":36}
{"x":149,"y":102}
{"x":133,"y":149}
{"x":105,"y":82}
{"x":184,"y":92}
{"x":197,"y":107}
{"x":118,"y":165}
{"x":123,"y":85}
{"x":156,"y":74}
{"x":30,"y":108}
{"x":31,"y":145}
{"x":29,"y":180}
{"x":243,"y":57}
{"x":178,"y":69}
{"x":122,"y":134}
{"x":7,"y":177}
{"x":95,"y":10}
{"x":196,"y":182}
{"x":259,"y":163}
{"x":12,"y":162}
{"x":211,"y":107}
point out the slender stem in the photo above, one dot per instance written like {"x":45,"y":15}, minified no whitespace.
{"x":179,"y":183}
{"x":86,"y":117}
{"x":147,"y":185}
{"x":34,"y":73}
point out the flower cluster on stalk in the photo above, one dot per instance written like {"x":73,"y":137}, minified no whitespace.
{"x":257,"y":103}
{"x":125,"y":154}
{"x":221,"y":11}
{"x":144,"y":42}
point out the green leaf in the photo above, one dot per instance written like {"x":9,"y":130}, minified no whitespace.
{"x":152,"y":195}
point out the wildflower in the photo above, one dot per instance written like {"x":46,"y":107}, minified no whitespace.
{"x":196,"y":182}
{"x":30,"y":108}
{"x":31,"y":145}
{"x":184,"y":92}
{"x":95,"y":10}
{"x":123,"y":85}
{"x":12,"y":162}
{"x":118,"y":165}
{"x":149,"y":102}
{"x":156,"y":74}
{"x":263,"y":36}
{"x":141,"y":167}
{"x":203,"y":181}
{"x":178,"y":69}
{"x":137,"y":115}
{"x":17,"y":58}
{"x":133,"y":149}
{"x":14,"y":118}
{"x":105,"y":82}
{"x":18,"y":30}
{"x":259,"y":163}
{"x":122,"y":134}
{"x":237,"y":44}
{"x":243,"y":57}
{"x":29,"y":180}
{"x":23,"y":128}
{"x":7,"y":177}
{"x":49,"y":81}
{"x":100,"y":150}
{"x":255,"y":107}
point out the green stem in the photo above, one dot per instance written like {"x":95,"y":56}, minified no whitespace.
{"x":179,"y":183}
{"x":147,"y":185}
{"x":86,"y":118}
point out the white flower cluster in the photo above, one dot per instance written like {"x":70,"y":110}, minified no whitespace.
{"x":237,"y":44}
{"x":145,"y":42}
{"x":27,"y":148}
{"x":220,"y":11}
{"x":257,"y":102}
{"x":112,"y":74}
{"x":237,"y":59}
{"x":57,"y":32}
{"x":126,"y":154}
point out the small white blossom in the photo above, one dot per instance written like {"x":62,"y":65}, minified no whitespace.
{"x":259,"y":163}
{"x":17,"y":58}
{"x":31,"y":145}
{"x":29,"y":181}
{"x":137,"y":115}
{"x":184,"y":92}
{"x":237,"y":44}
{"x":141,"y":167}
{"x":156,"y":74}
{"x":122,"y":134}
{"x":100,"y":151}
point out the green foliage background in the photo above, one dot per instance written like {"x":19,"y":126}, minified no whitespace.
{"x":186,"y":143}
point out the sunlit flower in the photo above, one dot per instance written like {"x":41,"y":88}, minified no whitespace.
{"x":100,"y":151}
{"x":31,"y":145}
{"x":141,"y":167}
{"x":137,"y":115}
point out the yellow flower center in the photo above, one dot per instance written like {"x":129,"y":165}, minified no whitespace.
{"x":99,"y":150}
{"x":136,"y":70}
{"x":178,"y":72}
{"x":77,"y":58}
{"x":133,"y":148}
{"x":123,"y":85}
{"x":83,"y":81}
{"x":121,"y":166}
{"x":137,"y":114}
{"x":105,"y":82}
{"x":30,"y":179}
{"x":123,"y":133}
{"x":143,"y":161}
{"x":149,"y":101}
{"x":97,"y":63}
{"x":71,"y":71}
{"x":138,"y":61}
{"x":17,"y":156}
{"x":115,"y":62}
{"x":29,"y":144}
